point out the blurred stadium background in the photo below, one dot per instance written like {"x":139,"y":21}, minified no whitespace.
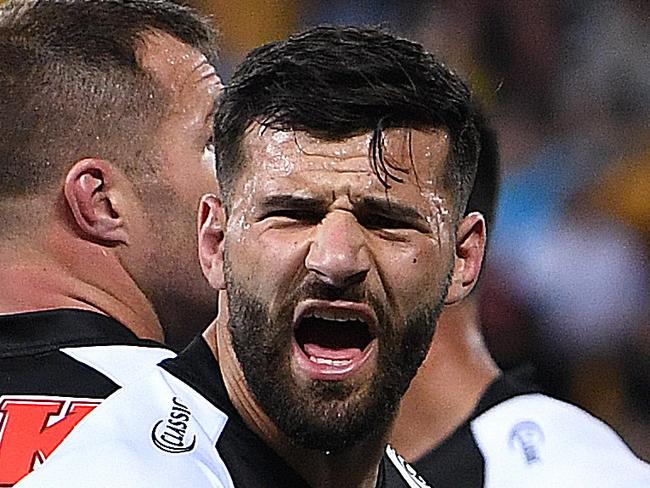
{"x":567,"y":83}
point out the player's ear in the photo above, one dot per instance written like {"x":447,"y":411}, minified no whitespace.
{"x":92,"y":196}
{"x":470,"y":246}
{"x":211,"y":223}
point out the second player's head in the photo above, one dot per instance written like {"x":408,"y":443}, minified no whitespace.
{"x":106,"y":128}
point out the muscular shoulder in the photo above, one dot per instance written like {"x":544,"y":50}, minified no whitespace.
{"x":537,"y":441}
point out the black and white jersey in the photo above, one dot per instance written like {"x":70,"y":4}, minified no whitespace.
{"x":56,"y":366}
{"x":517,"y":437}
{"x":177,"y":427}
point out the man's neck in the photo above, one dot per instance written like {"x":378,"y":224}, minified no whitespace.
{"x":72,"y":273}
{"x":448,"y":385}
{"x":354,"y":467}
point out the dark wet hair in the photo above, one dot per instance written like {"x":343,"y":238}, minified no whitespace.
{"x":72,"y":87}
{"x":337,"y":82}
{"x":485,"y":192}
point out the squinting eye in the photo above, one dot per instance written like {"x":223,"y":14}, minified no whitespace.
{"x":380,"y":222}
{"x":297,"y":215}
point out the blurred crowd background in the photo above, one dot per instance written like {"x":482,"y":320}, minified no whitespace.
{"x":566,"y":288}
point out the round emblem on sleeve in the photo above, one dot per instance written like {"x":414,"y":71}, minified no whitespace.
{"x":528,"y":438}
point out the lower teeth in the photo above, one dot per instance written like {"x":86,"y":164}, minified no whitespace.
{"x":330,"y":362}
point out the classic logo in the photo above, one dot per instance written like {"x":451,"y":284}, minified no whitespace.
{"x":169,"y":434}
{"x":31,"y":427}
{"x":527,"y":437}
{"x":413,"y":479}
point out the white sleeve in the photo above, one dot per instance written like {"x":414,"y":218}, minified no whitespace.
{"x":533,"y":441}
{"x":118,"y":443}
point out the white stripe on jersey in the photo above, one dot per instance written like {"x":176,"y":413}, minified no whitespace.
{"x":406,"y":470}
{"x":121,"y":363}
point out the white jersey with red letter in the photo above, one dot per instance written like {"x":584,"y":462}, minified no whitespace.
{"x":56,"y":366}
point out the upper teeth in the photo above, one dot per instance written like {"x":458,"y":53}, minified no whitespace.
{"x":341,"y":315}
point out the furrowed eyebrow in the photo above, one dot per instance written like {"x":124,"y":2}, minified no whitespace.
{"x":293,"y":202}
{"x":366,"y":206}
{"x":383,"y":206}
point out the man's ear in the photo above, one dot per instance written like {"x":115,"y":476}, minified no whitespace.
{"x":470,"y":246}
{"x":211,"y":224}
{"x":90,"y":193}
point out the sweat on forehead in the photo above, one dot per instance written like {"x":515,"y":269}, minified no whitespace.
{"x":291,"y":168}
{"x":175,"y":64}
{"x":415,"y":155}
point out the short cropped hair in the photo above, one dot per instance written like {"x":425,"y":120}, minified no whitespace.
{"x":71,"y":86}
{"x":485,"y":192}
{"x":338,"y":82}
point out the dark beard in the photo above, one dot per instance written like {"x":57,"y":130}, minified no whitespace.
{"x":327,"y":415}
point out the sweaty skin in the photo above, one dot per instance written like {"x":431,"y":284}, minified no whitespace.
{"x":309,"y":209}
{"x":280,"y":168}
{"x":185,"y":171}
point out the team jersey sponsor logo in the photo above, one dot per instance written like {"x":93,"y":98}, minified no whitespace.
{"x":170,"y":434}
{"x":413,"y":479}
{"x":528,"y":438}
{"x":32,"y":427}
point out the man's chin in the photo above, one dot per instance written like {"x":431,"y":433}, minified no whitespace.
{"x":331,"y":435}
{"x":331,"y":416}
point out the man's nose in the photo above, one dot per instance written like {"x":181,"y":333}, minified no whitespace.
{"x":338,"y":255}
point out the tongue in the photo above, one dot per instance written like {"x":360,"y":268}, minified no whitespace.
{"x":327,"y":353}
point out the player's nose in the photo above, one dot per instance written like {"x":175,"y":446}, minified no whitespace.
{"x":338,"y":254}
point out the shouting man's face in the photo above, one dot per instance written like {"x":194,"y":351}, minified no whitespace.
{"x":334,"y":282}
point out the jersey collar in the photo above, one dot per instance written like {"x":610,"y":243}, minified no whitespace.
{"x":42,"y":331}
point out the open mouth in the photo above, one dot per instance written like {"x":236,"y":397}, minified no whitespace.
{"x":333,"y":339}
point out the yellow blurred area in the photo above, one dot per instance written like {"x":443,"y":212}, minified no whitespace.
{"x":623,"y":192}
{"x":245,"y":24}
